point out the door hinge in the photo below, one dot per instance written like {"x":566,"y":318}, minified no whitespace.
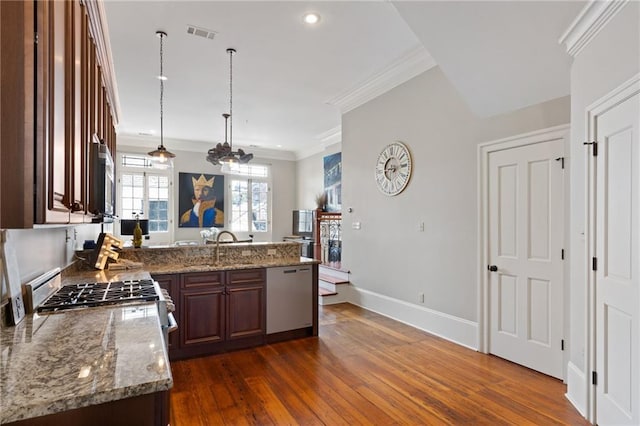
{"x":562,"y":345}
{"x":594,"y":264}
{"x":561,"y":160}
{"x":594,"y":378}
{"x":35,"y":38}
{"x":562,"y":254}
{"x":594,"y":147}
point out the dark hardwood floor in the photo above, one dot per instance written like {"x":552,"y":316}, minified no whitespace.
{"x":364,"y":369}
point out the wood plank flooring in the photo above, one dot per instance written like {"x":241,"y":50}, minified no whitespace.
{"x":364,"y":369}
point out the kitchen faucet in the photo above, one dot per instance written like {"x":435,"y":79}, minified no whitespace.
{"x":235,"y":240}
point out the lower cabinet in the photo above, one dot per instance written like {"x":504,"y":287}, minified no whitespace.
{"x":144,"y":410}
{"x":217,"y":311}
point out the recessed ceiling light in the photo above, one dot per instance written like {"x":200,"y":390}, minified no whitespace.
{"x":162,"y":77}
{"x":311,"y":18}
{"x":279,"y":146}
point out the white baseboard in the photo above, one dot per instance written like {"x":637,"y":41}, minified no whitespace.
{"x":449,"y":327}
{"x":576,"y":388}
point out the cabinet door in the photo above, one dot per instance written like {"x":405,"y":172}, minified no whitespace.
{"x":246,"y":303}
{"x":202,"y":318}
{"x":171,"y":283}
{"x":17,"y":106}
{"x":52,"y":112}
{"x":78,"y":143}
{"x":202,"y":308}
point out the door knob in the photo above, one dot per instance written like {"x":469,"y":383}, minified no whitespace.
{"x":493,"y":268}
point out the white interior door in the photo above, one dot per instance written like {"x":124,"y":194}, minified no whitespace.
{"x":525,"y":249}
{"x":618,"y":264}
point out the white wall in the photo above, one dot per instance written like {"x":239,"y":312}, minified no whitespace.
{"x":310,"y":177}
{"x":388,"y":255}
{"x":46,"y":247}
{"x":283,"y":175}
{"x":610,"y":59}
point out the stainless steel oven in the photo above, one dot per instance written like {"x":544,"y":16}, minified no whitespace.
{"x":46,"y":294}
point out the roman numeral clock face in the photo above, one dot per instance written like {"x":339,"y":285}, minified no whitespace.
{"x":393,"y":169}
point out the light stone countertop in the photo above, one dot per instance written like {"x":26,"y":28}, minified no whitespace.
{"x":178,"y":268}
{"x":77,"y":358}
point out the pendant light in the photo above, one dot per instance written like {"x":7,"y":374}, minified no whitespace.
{"x":223,"y":153}
{"x":161,"y":154}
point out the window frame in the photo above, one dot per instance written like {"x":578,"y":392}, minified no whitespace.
{"x":157,"y":237}
{"x":234,"y":175}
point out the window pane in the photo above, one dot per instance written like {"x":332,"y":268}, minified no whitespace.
{"x":239,"y":206}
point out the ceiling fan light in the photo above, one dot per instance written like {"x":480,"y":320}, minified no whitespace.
{"x":223,"y":153}
{"x":245,"y":158}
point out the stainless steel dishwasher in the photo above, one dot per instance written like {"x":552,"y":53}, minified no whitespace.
{"x":289,"y":298}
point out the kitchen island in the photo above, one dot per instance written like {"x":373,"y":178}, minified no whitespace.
{"x":81,"y":365}
{"x":60,"y":368}
{"x":226,"y":296}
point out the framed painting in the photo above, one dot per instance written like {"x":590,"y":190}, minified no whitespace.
{"x":200,"y":200}
{"x":333,"y":181}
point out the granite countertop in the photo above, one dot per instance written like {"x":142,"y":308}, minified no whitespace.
{"x":177,"y":268}
{"x":77,"y":358}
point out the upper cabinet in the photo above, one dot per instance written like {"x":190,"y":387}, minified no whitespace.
{"x":60,"y":102}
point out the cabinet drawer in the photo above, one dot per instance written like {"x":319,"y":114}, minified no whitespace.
{"x":202,"y":279}
{"x":246,"y":276}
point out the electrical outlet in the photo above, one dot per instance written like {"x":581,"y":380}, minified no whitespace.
{"x":421,"y":227}
{"x":355,"y":225}
{"x":246,"y":252}
{"x":271,"y":252}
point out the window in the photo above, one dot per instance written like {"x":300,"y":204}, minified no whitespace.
{"x":145,"y":191}
{"x":249,"y":188}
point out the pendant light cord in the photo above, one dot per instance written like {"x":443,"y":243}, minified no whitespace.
{"x":231,"y":97}
{"x":161,"y":91}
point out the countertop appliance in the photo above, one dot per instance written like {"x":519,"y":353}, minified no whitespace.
{"x":46,"y":295}
{"x":289,"y":298}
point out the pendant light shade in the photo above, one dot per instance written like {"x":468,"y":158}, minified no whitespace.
{"x":223,"y":153}
{"x":161,"y":154}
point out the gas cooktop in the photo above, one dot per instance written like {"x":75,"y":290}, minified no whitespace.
{"x":73,"y":296}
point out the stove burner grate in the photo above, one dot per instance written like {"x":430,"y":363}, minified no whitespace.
{"x":73,"y":296}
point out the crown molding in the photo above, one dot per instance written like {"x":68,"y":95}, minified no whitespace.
{"x":125,"y":141}
{"x":99,"y":31}
{"x":331,"y":136}
{"x":591,"y":19}
{"x":411,"y":64}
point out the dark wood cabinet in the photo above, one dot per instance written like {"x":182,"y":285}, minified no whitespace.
{"x":52,"y":94}
{"x":151,"y":409}
{"x":219,"y":311}
{"x":246,"y":304}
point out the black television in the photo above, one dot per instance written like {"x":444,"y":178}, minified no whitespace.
{"x":103,"y":188}
{"x":128,"y":225}
{"x":303,"y":223}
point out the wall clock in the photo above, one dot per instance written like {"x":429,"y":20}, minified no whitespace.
{"x":393,"y":169}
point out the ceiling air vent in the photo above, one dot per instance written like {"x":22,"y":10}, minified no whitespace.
{"x":201,"y":32}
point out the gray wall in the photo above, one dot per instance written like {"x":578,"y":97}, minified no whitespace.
{"x":310,"y":177}
{"x":610,"y":59}
{"x":389,"y":255}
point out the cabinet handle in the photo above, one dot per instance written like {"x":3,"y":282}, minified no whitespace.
{"x":290,"y":271}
